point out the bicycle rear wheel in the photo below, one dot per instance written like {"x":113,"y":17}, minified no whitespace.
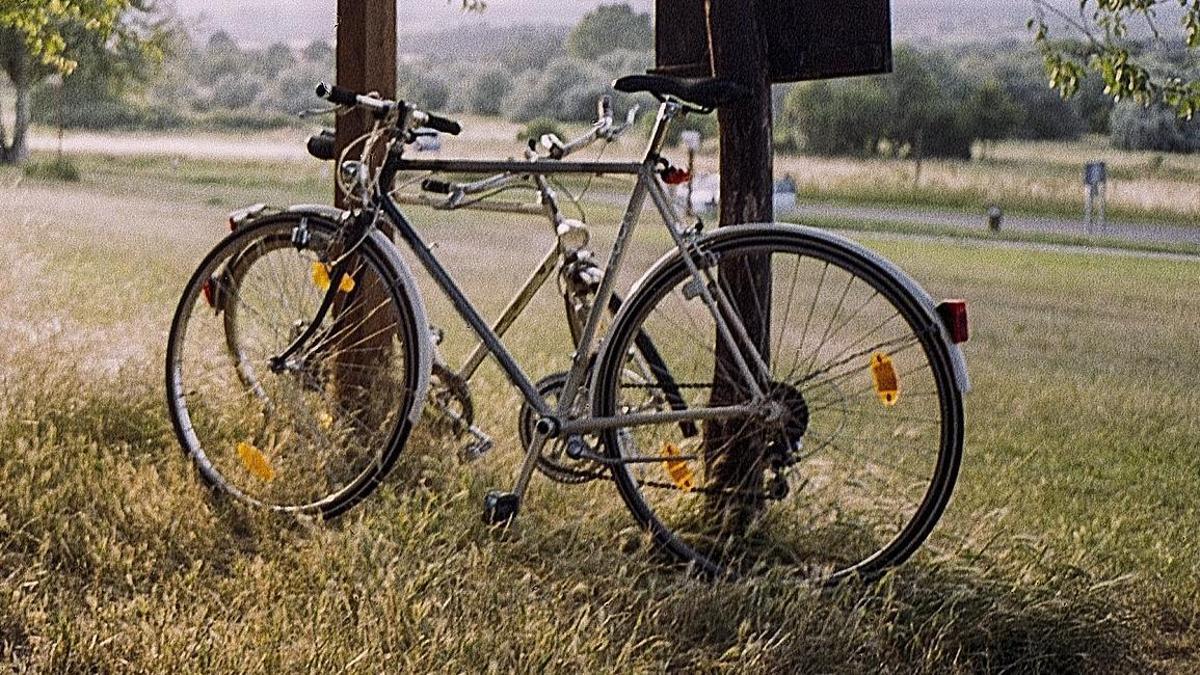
{"x":856,"y":462}
{"x":316,"y":434}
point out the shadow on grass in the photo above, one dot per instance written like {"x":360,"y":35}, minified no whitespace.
{"x":1011,"y":616}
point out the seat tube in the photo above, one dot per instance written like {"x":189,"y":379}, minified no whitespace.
{"x":667,"y":113}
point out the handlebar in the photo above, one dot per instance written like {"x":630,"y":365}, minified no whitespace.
{"x":382,"y":108}
{"x":603,"y":129}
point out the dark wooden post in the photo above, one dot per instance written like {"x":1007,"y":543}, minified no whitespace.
{"x":739,"y":51}
{"x":366,"y":61}
{"x":366,"y":58}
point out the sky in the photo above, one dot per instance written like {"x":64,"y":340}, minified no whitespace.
{"x":298,"y":21}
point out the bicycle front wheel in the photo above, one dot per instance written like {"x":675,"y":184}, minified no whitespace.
{"x":854,"y":455}
{"x":316,"y":433}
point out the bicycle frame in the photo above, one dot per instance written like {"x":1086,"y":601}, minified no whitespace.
{"x":541,"y":273}
{"x":565,"y":420}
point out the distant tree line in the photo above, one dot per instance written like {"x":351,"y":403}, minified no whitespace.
{"x":946,"y":103}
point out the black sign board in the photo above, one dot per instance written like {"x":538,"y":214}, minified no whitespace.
{"x":808,"y":39}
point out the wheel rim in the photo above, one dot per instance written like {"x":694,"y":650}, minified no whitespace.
{"x":311,"y":437}
{"x":871,"y":477}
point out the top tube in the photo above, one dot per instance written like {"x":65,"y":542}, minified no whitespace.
{"x":538,"y":167}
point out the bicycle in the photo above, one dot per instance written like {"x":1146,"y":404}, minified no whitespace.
{"x":763,"y":409}
{"x":570,"y":256}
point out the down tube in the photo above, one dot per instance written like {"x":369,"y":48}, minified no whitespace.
{"x":464,"y":307}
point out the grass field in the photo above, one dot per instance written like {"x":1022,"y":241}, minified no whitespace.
{"x":1070,"y":544}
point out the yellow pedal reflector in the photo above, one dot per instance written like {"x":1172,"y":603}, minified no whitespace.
{"x":255,"y":462}
{"x":883,"y":373}
{"x":679,"y":471}
{"x":320,"y":276}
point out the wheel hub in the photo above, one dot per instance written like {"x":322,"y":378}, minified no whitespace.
{"x":787,"y":419}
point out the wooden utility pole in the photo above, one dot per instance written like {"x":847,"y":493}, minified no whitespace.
{"x":739,"y":52}
{"x":366,"y":61}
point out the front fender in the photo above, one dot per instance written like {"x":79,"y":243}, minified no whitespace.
{"x":425,"y":348}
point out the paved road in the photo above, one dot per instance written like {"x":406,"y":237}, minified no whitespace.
{"x":1141,"y":232}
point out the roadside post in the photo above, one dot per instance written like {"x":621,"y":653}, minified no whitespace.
{"x":366,"y":61}
{"x":1095,"y":196}
{"x":691,"y":140}
{"x":995,"y":217}
{"x":756,"y":44}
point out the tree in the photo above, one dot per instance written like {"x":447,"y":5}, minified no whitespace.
{"x":1156,"y":128}
{"x":609,"y":28}
{"x":317,"y":51}
{"x":39,"y":39}
{"x":275,"y":59}
{"x":991,"y":114}
{"x":40,"y":25}
{"x":1103,"y":45}
{"x":836,"y":118}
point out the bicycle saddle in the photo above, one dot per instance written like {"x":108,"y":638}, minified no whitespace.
{"x":706,"y":92}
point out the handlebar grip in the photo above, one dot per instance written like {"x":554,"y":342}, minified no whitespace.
{"x":440,"y":187}
{"x":322,"y":145}
{"x":444,"y":125}
{"x":336,"y":94}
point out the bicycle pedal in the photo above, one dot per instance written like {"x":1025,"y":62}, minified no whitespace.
{"x":475,"y":449}
{"x":500,"y":508}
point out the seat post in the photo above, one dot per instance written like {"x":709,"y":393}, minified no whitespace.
{"x":667,"y":113}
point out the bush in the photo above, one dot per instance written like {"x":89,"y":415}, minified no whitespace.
{"x":835,"y":118}
{"x":292,"y":92}
{"x":1155,"y":128}
{"x":1046,"y":116}
{"x":484,"y":92}
{"x":61,"y":169}
{"x":423,"y":86}
{"x":103,"y":114}
{"x":540,"y":127}
{"x":918,"y":111}
{"x":544,"y":94}
{"x":236,"y":90}
{"x":626,"y":62}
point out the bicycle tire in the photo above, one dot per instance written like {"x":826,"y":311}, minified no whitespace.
{"x":397,"y":364}
{"x":856,"y":263}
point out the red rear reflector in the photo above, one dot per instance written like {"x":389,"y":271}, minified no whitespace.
{"x":208,"y":293}
{"x":954,"y":317}
{"x":233,"y":224}
{"x":675,"y":176}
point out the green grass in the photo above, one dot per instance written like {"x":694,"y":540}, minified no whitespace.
{"x":1069,"y":546}
{"x":57,"y":169}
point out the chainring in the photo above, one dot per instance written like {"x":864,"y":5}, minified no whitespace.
{"x":553,"y":461}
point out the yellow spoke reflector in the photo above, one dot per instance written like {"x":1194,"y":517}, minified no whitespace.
{"x":320,"y":276}
{"x":679,"y":471}
{"x":883,"y":373}
{"x":255,"y":462}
